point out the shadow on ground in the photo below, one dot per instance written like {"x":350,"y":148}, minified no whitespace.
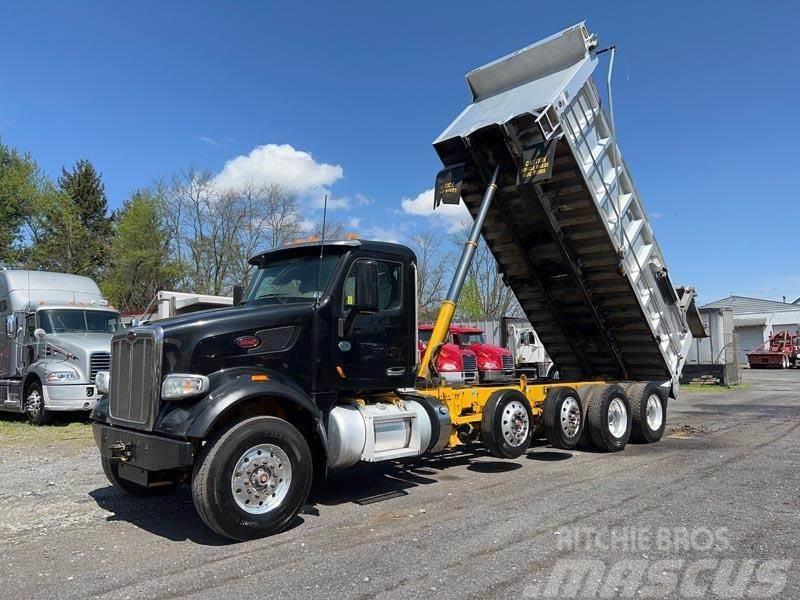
{"x":174,"y":517}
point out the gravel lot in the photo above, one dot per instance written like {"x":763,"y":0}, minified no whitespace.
{"x":721,"y":489}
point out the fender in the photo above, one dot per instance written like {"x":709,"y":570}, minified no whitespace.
{"x":232,"y":387}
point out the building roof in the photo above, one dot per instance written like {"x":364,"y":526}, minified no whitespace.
{"x":743,"y":305}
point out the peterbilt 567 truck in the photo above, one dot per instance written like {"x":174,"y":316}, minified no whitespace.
{"x":316,"y":369}
{"x":57,"y":337}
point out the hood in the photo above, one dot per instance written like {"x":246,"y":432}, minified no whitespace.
{"x":486,"y":352}
{"x":205,"y":341}
{"x":81,"y":344}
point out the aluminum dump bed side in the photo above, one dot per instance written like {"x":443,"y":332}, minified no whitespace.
{"x":567,"y":226}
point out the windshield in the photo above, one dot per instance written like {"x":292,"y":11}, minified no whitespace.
{"x":70,"y":320}
{"x":465,"y":339}
{"x":300,"y":279}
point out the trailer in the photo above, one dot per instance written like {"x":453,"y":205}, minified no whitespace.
{"x":317,"y":368}
{"x":781,"y":351}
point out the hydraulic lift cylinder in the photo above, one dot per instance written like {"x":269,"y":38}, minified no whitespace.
{"x":448,"y":307}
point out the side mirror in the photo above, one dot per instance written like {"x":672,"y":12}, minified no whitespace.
{"x":39,"y":333}
{"x":134,"y":323}
{"x":11,"y":326}
{"x":238,"y":292}
{"x":366,"y":300}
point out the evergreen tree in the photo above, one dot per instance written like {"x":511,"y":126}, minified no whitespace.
{"x":84,"y":187}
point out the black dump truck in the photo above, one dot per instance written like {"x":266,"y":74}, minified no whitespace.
{"x":316,"y":368}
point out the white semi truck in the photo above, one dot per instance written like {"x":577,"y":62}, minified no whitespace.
{"x":56,"y":338}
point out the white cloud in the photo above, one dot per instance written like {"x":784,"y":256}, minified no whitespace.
{"x":283,"y":164}
{"x":208,"y":140}
{"x":450,"y":216}
{"x":354,"y":222}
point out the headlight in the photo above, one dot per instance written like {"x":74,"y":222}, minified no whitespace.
{"x":181,"y":385}
{"x":62,"y":376}
{"x":490,"y":364}
{"x":102,"y":381}
{"x":448,"y":366}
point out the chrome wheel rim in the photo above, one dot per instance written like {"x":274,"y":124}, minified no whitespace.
{"x":617,"y":418}
{"x":515,"y":423}
{"x":570,"y":417}
{"x":261,"y":479}
{"x":34,"y":403}
{"x":654,"y":412}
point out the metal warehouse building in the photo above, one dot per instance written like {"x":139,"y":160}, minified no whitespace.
{"x":754,"y":320}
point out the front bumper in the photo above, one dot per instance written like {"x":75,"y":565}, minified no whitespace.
{"x":493,"y":376}
{"x":73,"y":396}
{"x":143,"y":450}
{"x":456,"y":377}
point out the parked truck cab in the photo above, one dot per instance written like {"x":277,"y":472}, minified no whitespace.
{"x":454,"y":363}
{"x":495,"y":363}
{"x":57,"y":337}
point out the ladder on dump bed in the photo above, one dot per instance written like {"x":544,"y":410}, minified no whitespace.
{"x":567,"y":226}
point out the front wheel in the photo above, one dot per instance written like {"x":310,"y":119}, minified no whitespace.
{"x":35,"y":411}
{"x":253,"y":478}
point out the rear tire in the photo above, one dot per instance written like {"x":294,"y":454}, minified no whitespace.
{"x":111,"y":469}
{"x":34,"y":408}
{"x":648,"y":411}
{"x":253,"y":478}
{"x":609,"y":419}
{"x":507,"y":424}
{"x":562,"y":413}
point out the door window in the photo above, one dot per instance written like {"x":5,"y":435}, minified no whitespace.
{"x":389,"y":286}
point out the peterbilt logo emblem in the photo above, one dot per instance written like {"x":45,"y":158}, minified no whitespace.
{"x":131,"y":336}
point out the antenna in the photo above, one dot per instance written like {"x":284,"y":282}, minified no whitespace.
{"x":321,"y":247}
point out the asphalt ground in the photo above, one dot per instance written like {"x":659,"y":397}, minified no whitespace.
{"x":710,"y":511}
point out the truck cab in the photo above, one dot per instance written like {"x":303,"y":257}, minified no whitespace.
{"x":495,"y":363}
{"x":454,"y":363}
{"x":57,"y":337}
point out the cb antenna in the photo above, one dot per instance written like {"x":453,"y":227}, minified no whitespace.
{"x":321,"y":247}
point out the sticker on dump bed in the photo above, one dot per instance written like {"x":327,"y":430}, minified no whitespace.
{"x":448,"y":186}
{"x":537,"y":162}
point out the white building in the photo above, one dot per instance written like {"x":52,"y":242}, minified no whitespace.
{"x":754,"y":320}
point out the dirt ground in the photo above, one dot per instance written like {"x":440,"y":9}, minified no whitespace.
{"x":720,"y":491}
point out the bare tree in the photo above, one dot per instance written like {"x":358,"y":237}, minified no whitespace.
{"x":433,"y":260}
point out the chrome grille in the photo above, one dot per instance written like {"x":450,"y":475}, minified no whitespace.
{"x":99,"y":361}
{"x":135,"y":377}
{"x":508,"y":362}
{"x":469,"y":362}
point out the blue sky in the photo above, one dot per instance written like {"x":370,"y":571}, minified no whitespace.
{"x":706,"y":97}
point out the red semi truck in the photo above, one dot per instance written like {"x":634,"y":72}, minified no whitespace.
{"x":453,"y":363}
{"x":781,"y":351}
{"x":494,"y":363}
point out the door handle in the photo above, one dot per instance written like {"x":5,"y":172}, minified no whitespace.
{"x":395,"y":371}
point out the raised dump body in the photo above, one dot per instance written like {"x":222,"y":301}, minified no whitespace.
{"x":567,"y":226}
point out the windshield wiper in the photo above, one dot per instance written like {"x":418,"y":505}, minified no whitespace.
{"x":279,"y":297}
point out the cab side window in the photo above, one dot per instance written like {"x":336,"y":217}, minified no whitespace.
{"x":389,"y":286}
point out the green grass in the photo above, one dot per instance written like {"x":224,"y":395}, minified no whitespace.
{"x":698,"y":388}
{"x":17,"y":433}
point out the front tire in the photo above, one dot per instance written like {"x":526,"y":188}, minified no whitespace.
{"x":253,"y":478}
{"x":35,"y":411}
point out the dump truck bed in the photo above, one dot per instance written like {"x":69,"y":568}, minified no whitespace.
{"x":567,"y":227}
